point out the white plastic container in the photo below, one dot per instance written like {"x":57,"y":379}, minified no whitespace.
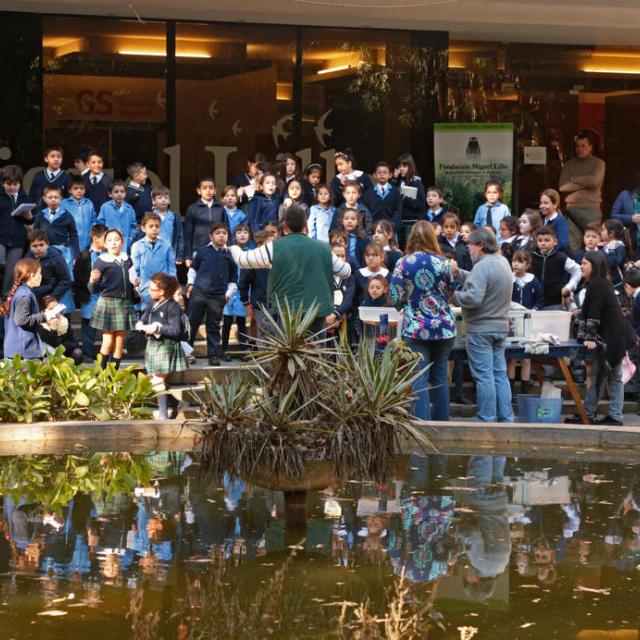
{"x":372,"y":314}
{"x":520,"y":327}
{"x":558,"y":323}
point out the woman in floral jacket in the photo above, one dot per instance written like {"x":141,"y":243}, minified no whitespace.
{"x":421,"y":285}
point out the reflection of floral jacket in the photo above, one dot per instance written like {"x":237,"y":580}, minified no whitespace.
{"x":421,"y":285}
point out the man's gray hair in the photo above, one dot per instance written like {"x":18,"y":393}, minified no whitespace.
{"x":483,"y":237}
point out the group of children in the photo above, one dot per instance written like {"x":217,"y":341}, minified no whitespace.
{"x":115,"y":250}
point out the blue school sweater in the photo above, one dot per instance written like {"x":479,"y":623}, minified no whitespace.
{"x":139,"y":197}
{"x":215,"y":270}
{"x":42,"y":180}
{"x":385,"y":203}
{"x":528,"y":292}
{"x":122,"y":218}
{"x":171,"y":230}
{"x":98,"y":193}
{"x":84,"y":216}
{"x":60,"y":228}
{"x":197,"y":225}
{"x":149,"y":258}
{"x":262,"y":209}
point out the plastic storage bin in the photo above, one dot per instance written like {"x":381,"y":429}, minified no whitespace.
{"x":536,"y":409}
{"x":557,"y":323}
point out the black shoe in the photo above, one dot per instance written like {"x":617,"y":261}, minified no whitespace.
{"x":214,"y":362}
{"x":575,"y":419}
{"x":464,"y":401}
{"x":227,"y":357}
{"x":608,"y":420}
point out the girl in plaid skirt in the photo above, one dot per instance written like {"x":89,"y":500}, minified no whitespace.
{"x":162,"y":322}
{"x":111,"y":277}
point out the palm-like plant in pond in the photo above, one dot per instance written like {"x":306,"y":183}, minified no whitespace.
{"x":309,"y":400}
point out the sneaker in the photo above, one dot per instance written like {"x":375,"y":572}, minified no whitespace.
{"x":608,"y":420}
{"x":214,"y":362}
{"x":576,"y":418}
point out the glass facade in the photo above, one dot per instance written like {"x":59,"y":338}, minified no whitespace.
{"x":192,"y":98}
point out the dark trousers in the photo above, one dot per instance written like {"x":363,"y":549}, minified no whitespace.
{"x":227,"y":322}
{"x":88,"y":338}
{"x":200,"y":304}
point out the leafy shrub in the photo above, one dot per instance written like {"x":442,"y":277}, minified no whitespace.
{"x":57,"y":389}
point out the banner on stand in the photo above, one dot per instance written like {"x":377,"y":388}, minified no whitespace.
{"x":466,"y":155}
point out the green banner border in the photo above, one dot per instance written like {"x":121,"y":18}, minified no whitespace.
{"x":478,"y":126}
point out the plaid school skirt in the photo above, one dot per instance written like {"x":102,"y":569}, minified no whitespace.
{"x":164,"y":356}
{"x":113,"y":314}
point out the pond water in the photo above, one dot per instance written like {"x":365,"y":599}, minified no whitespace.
{"x":496,"y":547}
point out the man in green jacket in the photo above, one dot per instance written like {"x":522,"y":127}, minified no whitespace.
{"x":302,"y":269}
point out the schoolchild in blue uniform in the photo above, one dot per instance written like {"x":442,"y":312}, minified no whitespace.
{"x":56,"y":277}
{"x":234,"y":215}
{"x":22,"y":313}
{"x":97,"y":182}
{"x":13,"y":229}
{"x":451,"y":242}
{"x":528,"y":292}
{"x":357,"y":240}
{"x":346,"y":172}
{"x":492,"y":211}
{"x":111,"y":278}
{"x":138,"y":193}
{"x":384,"y":235}
{"x":171,"y":228}
{"x":264,"y":205}
{"x":617,"y":249}
{"x":405,"y":175}
{"x":234,"y":310}
{"x":117,"y":214}
{"x":87,"y":301}
{"x":310,"y":183}
{"x":551,"y":216}
{"x":151,"y":254}
{"x":253,"y":286}
{"x":51,"y":175}
{"x":384,"y":200}
{"x":59,"y":225}
{"x":435,"y":200}
{"x":212,"y":280}
{"x":199,"y":217}
{"x":82,"y":211}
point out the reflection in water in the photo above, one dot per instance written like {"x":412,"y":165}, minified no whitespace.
{"x":514,"y":548}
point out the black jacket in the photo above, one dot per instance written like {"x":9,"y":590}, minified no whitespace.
{"x":387,"y":208}
{"x":81,"y":274}
{"x":549,"y":269}
{"x":140,"y":199}
{"x":98,"y":193}
{"x":56,"y":279}
{"x":601,"y":317}
{"x":253,"y":285}
{"x":460,"y":252}
{"x":13,"y":229}
{"x":215,"y":269}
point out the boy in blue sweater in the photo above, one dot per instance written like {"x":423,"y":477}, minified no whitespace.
{"x":170,"y":222}
{"x":199,"y":217}
{"x":51,"y":175}
{"x":97,"y":182}
{"x":117,"y":214}
{"x":59,"y":225}
{"x":81,"y":209}
{"x":211,"y":281}
{"x":384,"y":201}
{"x":152,"y":254}
{"x":138,"y":193}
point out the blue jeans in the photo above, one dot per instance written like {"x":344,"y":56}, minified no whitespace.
{"x":485,"y":352}
{"x":434,"y":353}
{"x":613,"y":382}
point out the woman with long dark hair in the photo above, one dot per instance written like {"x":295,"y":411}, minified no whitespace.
{"x":604,"y":330}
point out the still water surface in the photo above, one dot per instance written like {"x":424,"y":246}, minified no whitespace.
{"x":500,"y":547}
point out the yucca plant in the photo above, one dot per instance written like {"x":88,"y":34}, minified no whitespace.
{"x":310,"y":400}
